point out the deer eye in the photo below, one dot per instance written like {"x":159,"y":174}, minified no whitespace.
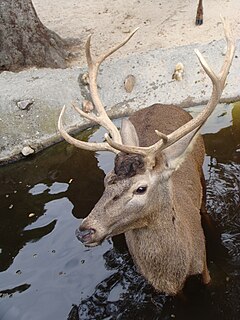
{"x":141,"y":190}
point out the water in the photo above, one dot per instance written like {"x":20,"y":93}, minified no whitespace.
{"x":44,"y":270}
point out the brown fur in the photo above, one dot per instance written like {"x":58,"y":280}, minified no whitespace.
{"x":128,"y":165}
{"x":186,"y":193}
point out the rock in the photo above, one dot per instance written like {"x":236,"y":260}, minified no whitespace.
{"x":129,"y":83}
{"x":24,"y":104}
{"x":87,"y":106}
{"x":178,"y":72}
{"x":85,"y":78}
{"x":26,"y":151}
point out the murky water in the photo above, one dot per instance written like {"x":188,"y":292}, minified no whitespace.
{"x":45,"y":270}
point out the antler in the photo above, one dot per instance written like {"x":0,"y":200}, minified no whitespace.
{"x":100,"y":116}
{"x":218,"y":82}
{"x":114,"y":143}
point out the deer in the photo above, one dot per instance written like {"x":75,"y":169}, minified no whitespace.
{"x":199,"y":15}
{"x":154,"y":193}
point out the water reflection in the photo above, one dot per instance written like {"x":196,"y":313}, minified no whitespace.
{"x":224,"y":145}
{"x":28,"y":185}
{"x":42,"y":264}
{"x":223,"y":183}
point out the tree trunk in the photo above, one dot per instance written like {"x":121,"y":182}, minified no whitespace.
{"x":25,"y":41}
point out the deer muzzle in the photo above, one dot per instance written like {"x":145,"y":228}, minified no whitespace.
{"x":85,"y":235}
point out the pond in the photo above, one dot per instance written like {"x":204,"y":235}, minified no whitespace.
{"x":46,"y":273}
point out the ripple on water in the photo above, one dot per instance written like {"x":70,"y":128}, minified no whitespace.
{"x":44,"y":269}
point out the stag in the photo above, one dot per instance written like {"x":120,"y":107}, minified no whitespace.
{"x":154,"y":193}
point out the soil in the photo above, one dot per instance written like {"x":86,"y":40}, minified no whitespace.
{"x":162,"y":23}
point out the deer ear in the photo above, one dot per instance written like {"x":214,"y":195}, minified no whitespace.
{"x":129,"y":133}
{"x":177,"y":152}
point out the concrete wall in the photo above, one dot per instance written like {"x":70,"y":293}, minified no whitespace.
{"x":31,"y":100}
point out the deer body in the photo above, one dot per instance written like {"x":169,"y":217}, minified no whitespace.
{"x":162,"y":227}
{"x":154,"y":193}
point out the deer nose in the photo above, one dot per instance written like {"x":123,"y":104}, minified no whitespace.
{"x":84,"y":234}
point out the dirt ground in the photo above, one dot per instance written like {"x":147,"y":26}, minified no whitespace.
{"x":162,"y":23}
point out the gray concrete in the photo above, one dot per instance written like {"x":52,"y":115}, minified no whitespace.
{"x":30,"y":101}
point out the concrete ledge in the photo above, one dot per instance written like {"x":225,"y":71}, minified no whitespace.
{"x":47,"y":90}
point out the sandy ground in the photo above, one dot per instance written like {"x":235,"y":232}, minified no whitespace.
{"x":162,"y":23}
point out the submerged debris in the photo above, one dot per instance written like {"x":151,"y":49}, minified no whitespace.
{"x":31,"y":215}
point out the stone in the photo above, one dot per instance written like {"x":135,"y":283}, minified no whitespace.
{"x":26,"y":151}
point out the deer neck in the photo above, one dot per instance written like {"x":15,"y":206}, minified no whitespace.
{"x":154,"y":247}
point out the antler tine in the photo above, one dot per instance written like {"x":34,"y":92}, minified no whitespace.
{"x":91,"y":146}
{"x":105,"y":55}
{"x":102,"y":115}
{"x":90,"y":116}
{"x":103,"y":118}
{"x":231,"y":48}
{"x":115,"y":48}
